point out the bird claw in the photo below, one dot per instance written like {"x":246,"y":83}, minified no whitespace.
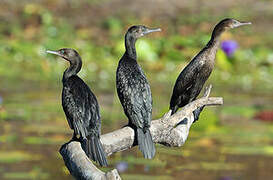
{"x":196,"y":113}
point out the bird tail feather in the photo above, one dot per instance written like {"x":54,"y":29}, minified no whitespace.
{"x":145,"y":143}
{"x":94,"y":150}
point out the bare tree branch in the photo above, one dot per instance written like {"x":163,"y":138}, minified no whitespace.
{"x":169,"y":130}
{"x":81,"y":167}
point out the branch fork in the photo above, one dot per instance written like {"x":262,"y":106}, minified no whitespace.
{"x":171,"y":131}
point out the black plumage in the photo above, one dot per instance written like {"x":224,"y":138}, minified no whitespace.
{"x":81,"y":107}
{"x":193,"y":77}
{"x":134,"y":91}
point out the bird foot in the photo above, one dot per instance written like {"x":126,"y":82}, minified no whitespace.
{"x":196,"y":113}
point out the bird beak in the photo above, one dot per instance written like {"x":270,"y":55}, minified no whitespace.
{"x":151,"y":30}
{"x":53,"y":52}
{"x":243,"y":23}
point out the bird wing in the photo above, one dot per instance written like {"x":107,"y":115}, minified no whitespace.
{"x":135,"y":95}
{"x":81,"y":107}
{"x":188,"y":76}
{"x":185,"y":82}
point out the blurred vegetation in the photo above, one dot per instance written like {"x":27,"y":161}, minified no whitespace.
{"x":24,"y":42}
{"x":33,"y":124}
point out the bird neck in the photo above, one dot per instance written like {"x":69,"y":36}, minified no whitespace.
{"x":215,"y":37}
{"x":130,"y":42}
{"x":73,"y":69}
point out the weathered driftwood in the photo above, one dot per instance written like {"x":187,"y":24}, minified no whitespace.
{"x":169,"y":130}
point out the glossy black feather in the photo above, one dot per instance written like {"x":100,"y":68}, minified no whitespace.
{"x":190,"y":81}
{"x":81,"y":107}
{"x":82,"y":111}
{"x":135,"y":96}
{"x":134,"y":92}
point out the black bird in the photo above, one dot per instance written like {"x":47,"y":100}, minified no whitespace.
{"x":81,"y":107}
{"x":191,"y":80}
{"x":134,"y":91}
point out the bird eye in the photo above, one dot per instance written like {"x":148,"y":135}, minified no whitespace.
{"x":62,"y":51}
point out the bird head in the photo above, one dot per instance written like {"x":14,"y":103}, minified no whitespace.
{"x":140,"y":30}
{"x":66,"y":53}
{"x":232,"y":23}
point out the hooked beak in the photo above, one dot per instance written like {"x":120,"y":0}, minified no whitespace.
{"x":151,"y":30}
{"x":53,"y":52}
{"x":56,"y":53}
{"x":243,"y":23}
